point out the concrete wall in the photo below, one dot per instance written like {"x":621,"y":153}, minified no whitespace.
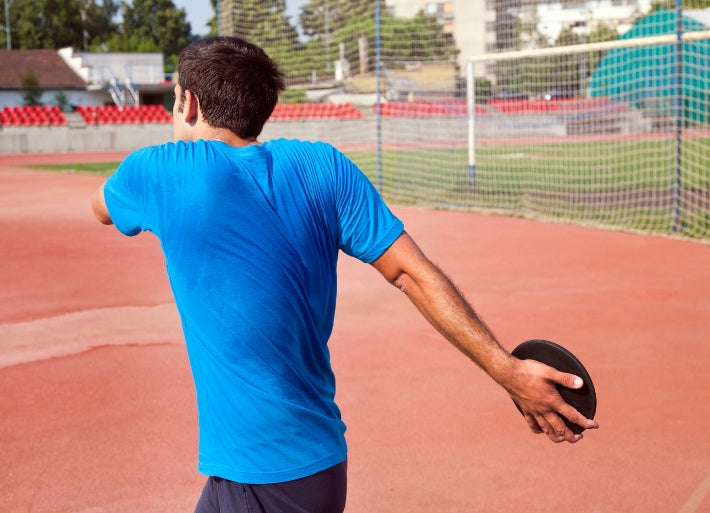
{"x":131,"y":137}
{"x":346,"y":134}
{"x":70,"y":139}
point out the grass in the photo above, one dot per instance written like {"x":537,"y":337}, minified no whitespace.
{"x":578,"y":167}
{"x":621,"y":184}
{"x":91,"y":168}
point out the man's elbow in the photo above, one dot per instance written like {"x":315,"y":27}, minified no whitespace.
{"x":99,"y":208}
{"x":103,"y":218}
{"x":403,"y":282}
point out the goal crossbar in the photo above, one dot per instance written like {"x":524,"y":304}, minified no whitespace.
{"x":591,"y":47}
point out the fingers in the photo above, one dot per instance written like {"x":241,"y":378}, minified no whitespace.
{"x":532,"y":424}
{"x":567,"y":411}
{"x":551,"y":428}
{"x":553,"y":424}
{"x":567,"y":380}
{"x":556,"y":430}
{"x":575,"y":417}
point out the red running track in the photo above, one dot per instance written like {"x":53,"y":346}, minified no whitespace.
{"x":97,"y":412}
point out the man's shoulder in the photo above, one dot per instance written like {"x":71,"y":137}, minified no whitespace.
{"x":153,"y":151}
{"x":319,"y":155}
{"x":169,"y":153}
{"x":298,"y":145}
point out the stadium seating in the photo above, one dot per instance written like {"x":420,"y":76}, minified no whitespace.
{"x":565,"y":106}
{"x":130,"y":114}
{"x":425,"y":109}
{"x":135,"y":114}
{"x":307,"y":111}
{"x":32,"y":115}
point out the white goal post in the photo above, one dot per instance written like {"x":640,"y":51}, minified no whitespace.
{"x":602,"y":46}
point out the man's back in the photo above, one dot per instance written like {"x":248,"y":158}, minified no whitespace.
{"x":251,"y":238}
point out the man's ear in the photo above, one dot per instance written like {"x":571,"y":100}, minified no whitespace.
{"x":191,"y":108}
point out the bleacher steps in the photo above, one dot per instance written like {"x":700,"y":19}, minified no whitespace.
{"x":74,"y":120}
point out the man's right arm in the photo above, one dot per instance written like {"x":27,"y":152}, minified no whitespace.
{"x":98,"y":204}
{"x":530,"y":384}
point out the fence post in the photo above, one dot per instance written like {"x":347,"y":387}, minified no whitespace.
{"x":471,"y":101}
{"x":378,"y":76}
{"x":676,"y":176}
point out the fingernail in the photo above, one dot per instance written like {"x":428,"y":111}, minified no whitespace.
{"x":578,"y":382}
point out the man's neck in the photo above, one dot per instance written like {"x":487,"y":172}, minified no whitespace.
{"x":222,"y":134}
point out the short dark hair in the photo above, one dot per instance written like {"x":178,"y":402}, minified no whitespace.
{"x":237,"y":84}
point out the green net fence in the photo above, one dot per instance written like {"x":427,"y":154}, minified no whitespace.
{"x":594,"y":113}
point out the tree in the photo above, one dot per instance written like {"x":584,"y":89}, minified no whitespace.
{"x":402,"y":39}
{"x":150,"y":25}
{"x":274,"y":30}
{"x":98,"y":20}
{"x":62,"y":100}
{"x":279,"y":39}
{"x":122,"y":43}
{"x":572,"y":71}
{"x":687,"y":4}
{"x":31,"y":90}
{"x":266,"y":24}
{"x":251,"y":18}
{"x":59,"y":23}
{"x":322,"y":18}
{"x":418,"y":38}
{"x":213,"y":23}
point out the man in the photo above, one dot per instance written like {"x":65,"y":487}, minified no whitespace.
{"x":251,"y":234}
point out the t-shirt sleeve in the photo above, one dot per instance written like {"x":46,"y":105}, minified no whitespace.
{"x":367,"y":226}
{"x":127,"y":191}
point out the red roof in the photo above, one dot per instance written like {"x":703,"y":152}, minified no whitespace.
{"x":46,"y":65}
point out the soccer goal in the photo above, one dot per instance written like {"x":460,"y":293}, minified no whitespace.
{"x":612,"y":133}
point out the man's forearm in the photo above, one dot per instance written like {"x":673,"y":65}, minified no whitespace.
{"x":440,"y":302}
{"x":444,"y":306}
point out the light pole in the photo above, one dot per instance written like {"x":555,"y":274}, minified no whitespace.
{"x":6,"y":27}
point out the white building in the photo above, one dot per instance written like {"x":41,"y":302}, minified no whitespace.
{"x":479,"y":26}
{"x":584,"y":17}
{"x":472,"y":23}
{"x":129,"y":78}
{"x":84,"y":78}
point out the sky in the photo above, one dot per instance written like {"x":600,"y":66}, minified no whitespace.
{"x":199,"y":11}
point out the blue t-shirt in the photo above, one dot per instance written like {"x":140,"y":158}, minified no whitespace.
{"x":251,"y":238}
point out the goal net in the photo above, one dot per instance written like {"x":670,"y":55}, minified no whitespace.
{"x":612,"y":133}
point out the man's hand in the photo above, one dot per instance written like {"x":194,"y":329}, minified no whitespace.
{"x":532,"y":388}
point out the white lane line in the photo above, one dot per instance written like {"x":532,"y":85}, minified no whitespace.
{"x":698,"y":496}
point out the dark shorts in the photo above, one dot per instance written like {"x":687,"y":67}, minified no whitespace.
{"x":323,"y":492}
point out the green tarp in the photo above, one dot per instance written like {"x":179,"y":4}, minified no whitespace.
{"x":646,"y":76}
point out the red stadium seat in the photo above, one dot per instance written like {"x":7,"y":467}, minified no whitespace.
{"x":314,"y":111}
